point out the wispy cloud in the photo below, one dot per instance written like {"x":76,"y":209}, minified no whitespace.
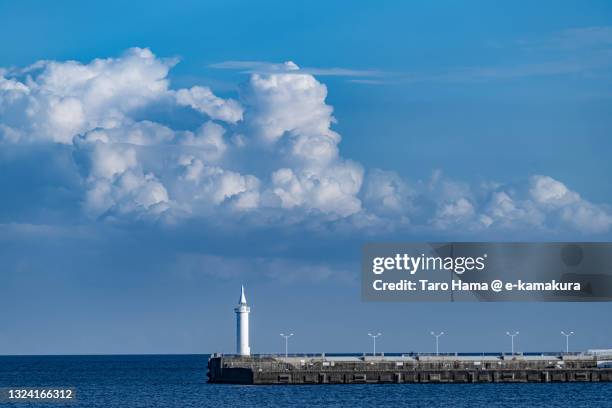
{"x":483,"y":74}
{"x":573,"y":51}
{"x":582,"y":38}
{"x":370,"y":81}
{"x":567,"y":52}
{"x":264,"y":67}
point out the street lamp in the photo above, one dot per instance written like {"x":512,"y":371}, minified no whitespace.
{"x":286,"y":336}
{"x":374,"y":336}
{"x":567,"y":336}
{"x":512,"y":336}
{"x":437,"y":336}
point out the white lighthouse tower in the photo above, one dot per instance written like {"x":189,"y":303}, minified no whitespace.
{"x":242,"y":326}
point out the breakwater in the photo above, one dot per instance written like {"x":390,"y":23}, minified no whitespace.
{"x":322,"y":369}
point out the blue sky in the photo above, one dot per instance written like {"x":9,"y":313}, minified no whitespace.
{"x":139,"y":190}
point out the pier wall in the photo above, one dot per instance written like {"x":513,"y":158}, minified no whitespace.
{"x":295,"y":370}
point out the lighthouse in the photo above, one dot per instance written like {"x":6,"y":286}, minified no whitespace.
{"x":242,"y":326}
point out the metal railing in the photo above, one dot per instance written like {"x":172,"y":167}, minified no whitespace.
{"x":409,"y":354}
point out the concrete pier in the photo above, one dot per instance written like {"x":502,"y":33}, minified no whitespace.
{"x":323,"y":369}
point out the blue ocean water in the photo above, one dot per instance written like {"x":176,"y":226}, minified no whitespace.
{"x":180,"y":381}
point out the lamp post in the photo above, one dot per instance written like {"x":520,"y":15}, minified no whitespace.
{"x":286,"y":336}
{"x":512,"y":335}
{"x":567,"y":336}
{"x":374,"y":336}
{"x":437,"y":336}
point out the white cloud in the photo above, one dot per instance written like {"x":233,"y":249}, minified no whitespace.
{"x":332,"y":192}
{"x":108,"y":161}
{"x":454,"y":213}
{"x":453,"y":203}
{"x":56,"y":100}
{"x":272,"y":155}
{"x":280,"y":103}
{"x":143,"y":133}
{"x":506,"y":211}
{"x":132,"y":192}
{"x":541,"y":203}
{"x":203,"y":100}
{"x":548,"y":191}
{"x":587,"y":217}
{"x":116,"y":182}
{"x":214,"y":185}
{"x":385,"y":193}
{"x":208,"y":138}
{"x":457,"y":209}
{"x":572,"y":209}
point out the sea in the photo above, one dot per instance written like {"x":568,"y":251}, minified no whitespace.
{"x":180,"y":381}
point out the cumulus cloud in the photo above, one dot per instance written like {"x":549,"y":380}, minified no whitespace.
{"x":386,"y":193}
{"x":203,"y":100}
{"x":287,"y":110}
{"x":286,"y":102}
{"x":548,"y":191}
{"x":117,"y":183}
{"x":554,"y":196}
{"x":455,"y":211}
{"x":55,"y":101}
{"x":208,"y":138}
{"x":143,"y":133}
{"x":332,"y":190}
{"x":540,"y":203}
{"x":270,"y":152}
{"x":215,"y":185}
{"x":507,"y":211}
